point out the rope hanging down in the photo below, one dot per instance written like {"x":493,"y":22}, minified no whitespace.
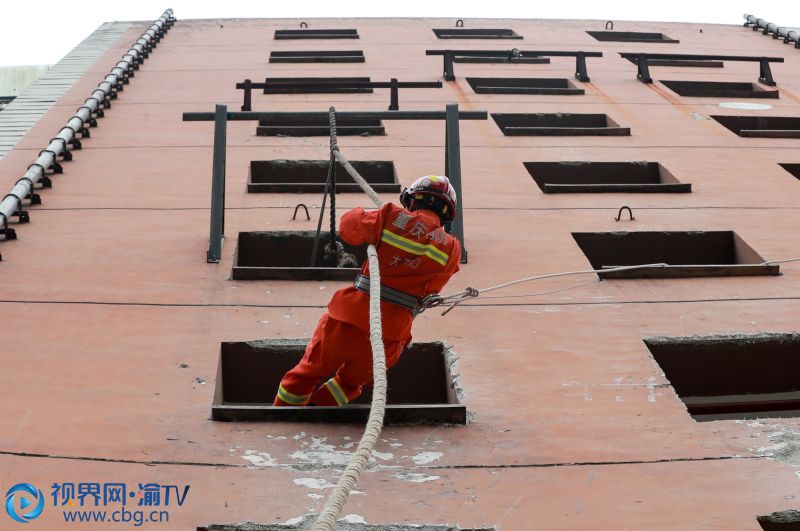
{"x":333,"y":506}
{"x":334,"y":252}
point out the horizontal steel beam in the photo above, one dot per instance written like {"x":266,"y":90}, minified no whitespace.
{"x":320,"y":115}
{"x":643,"y":68}
{"x":701,"y":57}
{"x":339,"y":84}
{"x":449,"y":56}
{"x":505,"y":53}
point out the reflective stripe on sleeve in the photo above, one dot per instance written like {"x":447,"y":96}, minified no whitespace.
{"x":419,"y":249}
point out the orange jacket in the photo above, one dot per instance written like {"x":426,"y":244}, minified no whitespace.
{"x":415,"y":254}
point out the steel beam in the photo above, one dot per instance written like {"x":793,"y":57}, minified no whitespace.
{"x":217,"y":229}
{"x":452,"y":167}
{"x":643,"y":71}
{"x":321,"y":115}
{"x":449,"y":55}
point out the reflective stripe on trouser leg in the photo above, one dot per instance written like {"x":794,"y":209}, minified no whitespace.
{"x":336,"y":391}
{"x":321,"y":358}
{"x":292,"y":399}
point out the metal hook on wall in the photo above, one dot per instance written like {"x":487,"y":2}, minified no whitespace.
{"x":460,"y":23}
{"x":294,"y":216}
{"x":304,"y":24}
{"x":619,"y":214}
{"x":610,"y":25}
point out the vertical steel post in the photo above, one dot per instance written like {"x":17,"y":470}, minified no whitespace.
{"x":580,"y":68}
{"x":452,"y":168}
{"x":218,"y":185}
{"x":248,"y":98}
{"x":643,"y":69}
{"x":394,"y":104}
{"x":449,"y":75}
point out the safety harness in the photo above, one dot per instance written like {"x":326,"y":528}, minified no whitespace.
{"x":395,"y":296}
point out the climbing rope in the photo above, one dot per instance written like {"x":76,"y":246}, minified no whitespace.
{"x":314,"y":248}
{"x":334,"y":250}
{"x":333,"y":506}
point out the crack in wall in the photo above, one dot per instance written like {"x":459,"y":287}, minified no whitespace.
{"x":313,"y":467}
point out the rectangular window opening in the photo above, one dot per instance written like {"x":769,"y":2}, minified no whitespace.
{"x":307,"y":522}
{"x":421,"y":387}
{"x":314,"y":85}
{"x":794,"y":169}
{"x":601,"y":177}
{"x":319,"y":127}
{"x":761,"y":126}
{"x":780,"y":521}
{"x":478,"y":33}
{"x":316,"y":34}
{"x":310,"y":176}
{"x":630,"y":36}
{"x":523,"y":85}
{"x":318,"y":56}
{"x":286,"y":255}
{"x":560,"y":124}
{"x":719,"y":89}
{"x":732,"y":377}
{"x":688,"y":253}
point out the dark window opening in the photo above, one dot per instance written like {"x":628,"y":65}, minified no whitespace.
{"x":317,"y":34}
{"x":691,"y":63}
{"x":307,"y":522}
{"x":761,"y":126}
{"x":561,"y":124}
{"x":689,"y":254}
{"x":719,"y":89}
{"x":421,"y":388}
{"x":523,"y":85}
{"x":318,"y":56}
{"x":286,"y":255}
{"x":599,"y":177}
{"x":310,"y":176}
{"x":732,"y":377}
{"x":315,"y":85}
{"x":780,"y":521}
{"x":481,"y":33}
{"x":319,"y":127}
{"x":794,"y":169}
{"x":630,"y":36}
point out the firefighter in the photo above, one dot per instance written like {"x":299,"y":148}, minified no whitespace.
{"x":417,"y":258}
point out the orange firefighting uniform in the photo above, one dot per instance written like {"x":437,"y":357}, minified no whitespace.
{"x":417,"y":257}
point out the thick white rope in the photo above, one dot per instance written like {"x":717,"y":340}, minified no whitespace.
{"x":357,"y":178}
{"x":333,"y":506}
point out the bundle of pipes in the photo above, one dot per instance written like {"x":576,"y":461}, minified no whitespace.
{"x":11,"y":204}
{"x":787,"y":34}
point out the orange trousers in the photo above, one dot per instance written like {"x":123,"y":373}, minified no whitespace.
{"x":340,"y":352}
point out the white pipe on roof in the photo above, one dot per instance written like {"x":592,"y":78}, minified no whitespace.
{"x":12,"y":202}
